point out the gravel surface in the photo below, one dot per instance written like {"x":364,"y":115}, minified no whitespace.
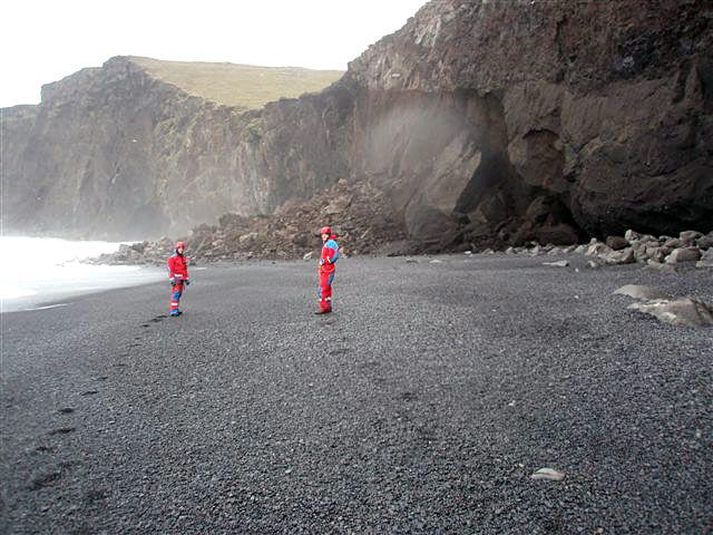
{"x":423,"y":404}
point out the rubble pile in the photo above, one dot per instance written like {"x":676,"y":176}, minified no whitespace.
{"x":359,"y":214}
{"x":664,"y":253}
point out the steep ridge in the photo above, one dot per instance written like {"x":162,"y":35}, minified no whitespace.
{"x":485,"y":122}
{"x":116,"y":152}
{"x":507,"y":121}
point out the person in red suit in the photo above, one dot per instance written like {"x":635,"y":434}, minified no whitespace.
{"x":178,"y":275}
{"x":326,"y":269}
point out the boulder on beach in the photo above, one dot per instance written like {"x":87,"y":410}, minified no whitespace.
{"x":706,"y":260}
{"x":683,"y":254}
{"x":617,"y":242}
{"x":642,"y":292}
{"x":687,"y":311}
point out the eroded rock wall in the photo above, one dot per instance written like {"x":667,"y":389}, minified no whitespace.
{"x":485,"y":121}
{"x":112,"y":152}
{"x":569,"y":118}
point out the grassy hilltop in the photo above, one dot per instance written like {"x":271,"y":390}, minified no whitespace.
{"x":243,"y":86}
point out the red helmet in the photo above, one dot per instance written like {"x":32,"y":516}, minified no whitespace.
{"x":325,"y":230}
{"x":180,"y":245}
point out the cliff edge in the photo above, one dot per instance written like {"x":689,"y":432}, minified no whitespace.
{"x":484,"y":122}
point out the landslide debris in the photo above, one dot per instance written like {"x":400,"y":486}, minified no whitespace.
{"x":359,"y":214}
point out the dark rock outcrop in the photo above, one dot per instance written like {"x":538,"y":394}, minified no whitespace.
{"x":484,"y":122}
{"x":566,"y":117}
{"x":113,"y":152}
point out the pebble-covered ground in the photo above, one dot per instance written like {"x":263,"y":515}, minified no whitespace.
{"x":422,"y":405}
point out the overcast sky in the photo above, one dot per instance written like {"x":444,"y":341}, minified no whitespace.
{"x":44,"y":41}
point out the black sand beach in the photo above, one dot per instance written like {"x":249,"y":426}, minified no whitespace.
{"x":423,"y":404}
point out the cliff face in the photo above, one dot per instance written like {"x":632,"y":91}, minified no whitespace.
{"x":485,"y":121}
{"x":113,"y":152}
{"x":543,"y":119}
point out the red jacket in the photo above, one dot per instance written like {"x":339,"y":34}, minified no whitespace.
{"x":178,"y":267}
{"x":329,"y":256}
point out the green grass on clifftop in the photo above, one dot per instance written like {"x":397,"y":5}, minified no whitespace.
{"x":242,"y":86}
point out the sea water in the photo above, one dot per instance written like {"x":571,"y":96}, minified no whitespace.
{"x":38,"y":271}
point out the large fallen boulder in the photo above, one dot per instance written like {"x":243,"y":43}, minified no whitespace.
{"x":683,"y":254}
{"x":642,"y":292}
{"x":617,"y":242}
{"x":706,"y":260}
{"x":624,"y":256}
{"x":687,"y":311}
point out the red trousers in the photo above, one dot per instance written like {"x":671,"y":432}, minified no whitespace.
{"x":325,"y":290}
{"x":176,"y":292}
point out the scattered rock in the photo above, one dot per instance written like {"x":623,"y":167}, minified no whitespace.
{"x":624,"y":256}
{"x":655,"y":253}
{"x":617,"y":242}
{"x":558,"y":263}
{"x":648,"y":238}
{"x":690,"y":236}
{"x":684,"y":254}
{"x":705,"y":242}
{"x":688,"y":311}
{"x":598,"y":249}
{"x":338,"y":205}
{"x":631,"y":235}
{"x":642,"y":292}
{"x":673,"y":243}
{"x":706,"y":259}
{"x":640,"y":254}
{"x":289,"y":233}
{"x":242,"y":240}
{"x":549,"y":474}
{"x":645,"y":248}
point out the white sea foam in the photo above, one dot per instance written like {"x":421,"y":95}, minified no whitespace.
{"x":41,"y":270}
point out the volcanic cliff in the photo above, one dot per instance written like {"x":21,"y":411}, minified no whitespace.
{"x":483,"y":121}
